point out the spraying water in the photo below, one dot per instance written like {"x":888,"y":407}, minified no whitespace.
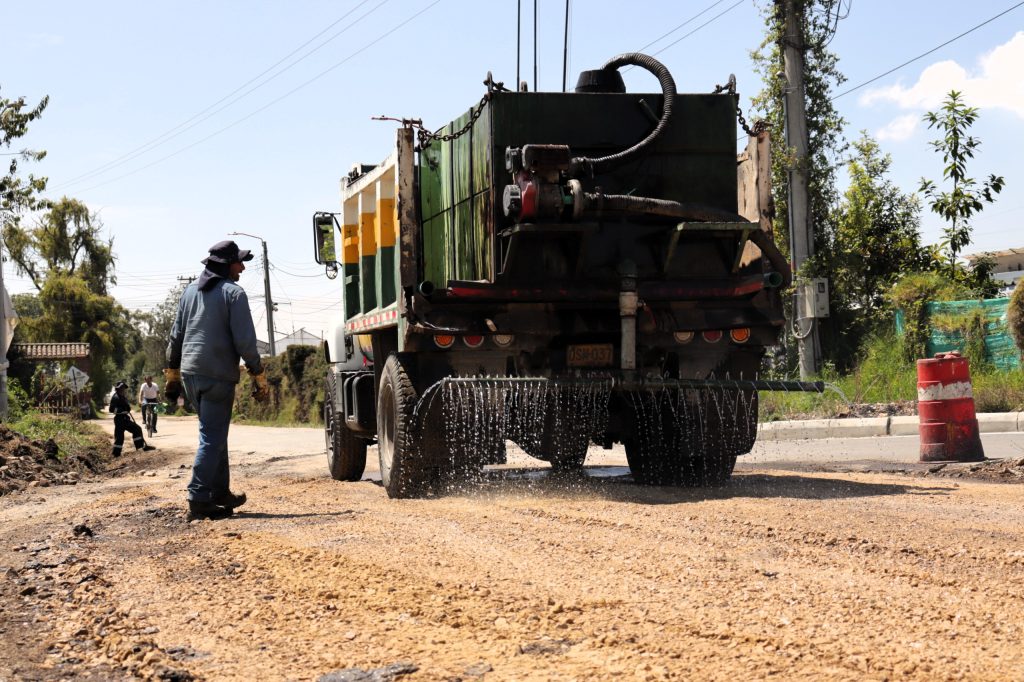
{"x":673,"y":435}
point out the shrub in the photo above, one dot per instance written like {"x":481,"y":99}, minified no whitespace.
{"x":296,"y":379}
{"x":910,"y":295}
{"x":1015,"y":315}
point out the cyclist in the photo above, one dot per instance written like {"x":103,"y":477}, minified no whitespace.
{"x":149,"y":396}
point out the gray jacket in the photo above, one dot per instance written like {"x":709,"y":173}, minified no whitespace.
{"x":211,"y":331}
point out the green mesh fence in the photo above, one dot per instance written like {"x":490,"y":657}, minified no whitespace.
{"x":1000,"y":349}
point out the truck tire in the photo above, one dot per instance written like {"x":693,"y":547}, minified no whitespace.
{"x":399,"y":438}
{"x":346,"y":453}
{"x":738,"y":418}
{"x":661,"y":451}
{"x":652,"y":466}
{"x":558,"y":435}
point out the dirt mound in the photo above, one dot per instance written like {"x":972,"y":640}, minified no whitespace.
{"x":28,"y":463}
{"x":1004,"y":470}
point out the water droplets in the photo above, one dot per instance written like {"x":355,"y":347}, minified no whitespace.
{"x":673,"y":435}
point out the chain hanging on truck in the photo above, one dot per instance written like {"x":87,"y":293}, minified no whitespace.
{"x":760,"y":125}
{"x":426,"y":136}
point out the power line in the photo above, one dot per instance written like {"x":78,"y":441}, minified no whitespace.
{"x":709,"y":21}
{"x":277,"y":268}
{"x":691,"y":19}
{"x":925,"y":54}
{"x":185,"y":125}
{"x":269,"y":104}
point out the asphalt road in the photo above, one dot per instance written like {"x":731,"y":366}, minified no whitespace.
{"x":892,"y":449}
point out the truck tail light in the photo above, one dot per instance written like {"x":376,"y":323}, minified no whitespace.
{"x":712,"y":335}
{"x":503,"y":340}
{"x":444,"y":340}
{"x":682,"y":337}
{"x":741,"y":335}
{"x":474,"y":341}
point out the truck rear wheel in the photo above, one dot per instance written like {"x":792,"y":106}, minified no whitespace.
{"x":665,"y":466}
{"x":402,"y":469}
{"x":667,"y":448}
{"x":558,"y":432}
{"x":346,"y":453}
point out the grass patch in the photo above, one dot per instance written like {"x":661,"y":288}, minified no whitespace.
{"x":884,"y":378}
{"x":73,"y":436}
{"x":999,"y":391}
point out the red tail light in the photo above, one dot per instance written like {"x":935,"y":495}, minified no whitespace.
{"x":712,"y":335}
{"x":741,"y":335}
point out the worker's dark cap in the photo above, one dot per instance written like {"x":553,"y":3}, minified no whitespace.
{"x":120,"y":384}
{"x":227,"y":252}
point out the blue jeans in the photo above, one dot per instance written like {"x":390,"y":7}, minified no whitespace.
{"x":212,"y":400}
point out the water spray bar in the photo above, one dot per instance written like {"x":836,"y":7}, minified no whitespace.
{"x":649,"y":384}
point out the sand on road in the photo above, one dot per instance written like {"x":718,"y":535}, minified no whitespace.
{"x":521,"y":576}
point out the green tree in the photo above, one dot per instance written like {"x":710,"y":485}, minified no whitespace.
{"x":876,"y":239}
{"x":17,"y":194}
{"x":958,"y":205}
{"x":66,"y":240}
{"x":72,"y":266}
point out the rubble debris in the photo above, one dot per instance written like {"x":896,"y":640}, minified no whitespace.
{"x":82,"y":529}
{"x":26,"y":463}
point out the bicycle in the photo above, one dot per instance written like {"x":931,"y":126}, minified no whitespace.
{"x":149,"y":417}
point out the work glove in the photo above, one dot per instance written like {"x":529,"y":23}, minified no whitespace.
{"x":260,"y":388}
{"x":172,"y":384}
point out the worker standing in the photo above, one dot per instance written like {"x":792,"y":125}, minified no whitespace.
{"x":123,"y":421}
{"x":212,"y":330}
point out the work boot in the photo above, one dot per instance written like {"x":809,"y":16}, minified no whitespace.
{"x":147,"y":448}
{"x":206,"y":510}
{"x":230,"y":500}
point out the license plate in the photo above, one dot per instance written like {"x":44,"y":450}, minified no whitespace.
{"x":590,"y":355}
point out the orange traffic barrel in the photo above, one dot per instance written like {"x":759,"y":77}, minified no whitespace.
{"x":945,"y":406}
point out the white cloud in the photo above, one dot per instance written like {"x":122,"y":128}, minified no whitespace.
{"x":900,"y":128}
{"x":995,"y":84}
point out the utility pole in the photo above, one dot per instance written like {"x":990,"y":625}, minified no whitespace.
{"x":801,"y":231}
{"x":266,"y":291}
{"x":269,"y":302}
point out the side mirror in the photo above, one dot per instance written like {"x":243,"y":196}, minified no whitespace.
{"x":324,"y":235}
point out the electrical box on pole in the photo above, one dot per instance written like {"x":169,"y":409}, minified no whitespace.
{"x":812,"y":299}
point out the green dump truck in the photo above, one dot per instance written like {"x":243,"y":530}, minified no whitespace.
{"x":555,"y":270}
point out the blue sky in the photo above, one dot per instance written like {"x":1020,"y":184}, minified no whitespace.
{"x":182,"y":122}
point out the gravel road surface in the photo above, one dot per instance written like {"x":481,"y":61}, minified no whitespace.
{"x":784,"y":572}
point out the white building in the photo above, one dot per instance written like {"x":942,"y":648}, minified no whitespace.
{"x":1009,"y":266}
{"x":300,"y":337}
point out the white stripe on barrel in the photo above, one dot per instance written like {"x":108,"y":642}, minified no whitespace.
{"x":937,"y":391}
